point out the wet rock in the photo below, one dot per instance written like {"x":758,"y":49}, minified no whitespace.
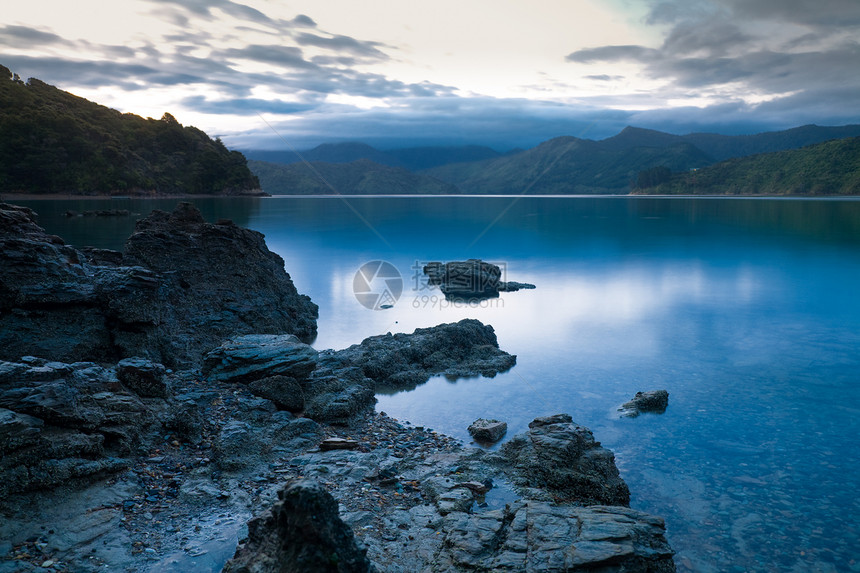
{"x":144,"y":377}
{"x":465,"y":348}
{"x":255,"y":356}
{"x":237,"y":446}
{"x":472,"y":279}
{"x":180,"y":287}
{"x":654,"y":401}
{"x":484,"y":430}
{"x":563,"y":459}
{"x":302,"y":532}
{"x":284,"y":391}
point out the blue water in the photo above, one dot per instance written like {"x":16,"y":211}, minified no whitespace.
{"x":745,"y":310}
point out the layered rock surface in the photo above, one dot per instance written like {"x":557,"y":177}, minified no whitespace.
{"x":469,"y":514}
{"x":180,"y":288}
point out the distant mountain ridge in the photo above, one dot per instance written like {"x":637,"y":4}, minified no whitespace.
{"x":360,"y":177}
{"x":52,"y":141}
{"x":411,"y":158}
{"x":563,"y":165}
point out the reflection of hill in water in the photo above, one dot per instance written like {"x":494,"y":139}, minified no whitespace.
{"x":111,"y":232}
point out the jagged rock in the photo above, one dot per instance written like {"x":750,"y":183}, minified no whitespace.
{"x":402,"y":361}
{"x":284,"y":391}
{"x":302,"y":532}
{"x":485,"y":430}
{"x":472,"y":279}
{"x":144,"y":377}
{"x":18,"y":430}
{"x":181,"y":287}
{"x":655,"y":401}
{"x":562,"y":458}
{"x":345,"y":381}
{"x":255,"y":356}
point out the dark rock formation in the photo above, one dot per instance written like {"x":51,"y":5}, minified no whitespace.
{"x":563,"y":459}
{"x":62,"y":421}
{"x":144,"y":377}
{"x":302,"y":532}
{"x":345,"y":381}
{"x":655,"y":401}
{"x":255,"y":356}
{"x":472,"y":279}
{"x":484,"y":430}
{"x":181,"y":287}
{"x":450,"y":530}
{"x":284,"y":391}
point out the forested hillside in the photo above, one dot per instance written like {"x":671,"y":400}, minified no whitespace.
{"x":54,"y":142}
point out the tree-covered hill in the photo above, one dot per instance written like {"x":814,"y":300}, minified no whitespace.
{"x":567,"y":165}
{"x":362,"y":177}
{"x":54,"y":142}
{"x":829,"y":168}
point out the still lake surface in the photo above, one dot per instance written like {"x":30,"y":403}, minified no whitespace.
{"x":746,"y":310}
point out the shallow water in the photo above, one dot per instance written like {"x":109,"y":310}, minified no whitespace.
{"x":745,"y":310}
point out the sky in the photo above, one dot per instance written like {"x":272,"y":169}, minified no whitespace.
{"x":280,"y":74}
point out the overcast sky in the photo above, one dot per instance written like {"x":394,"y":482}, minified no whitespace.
{"x":504,"y":73}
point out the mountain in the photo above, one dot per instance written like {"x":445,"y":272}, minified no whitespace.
{"x":567,"y":165}
{"x":54,"y":142}
{"x":829,"y":168}
{"x":412,"y":158}
{"x":361,"y":177}
{"x":721,"y":147}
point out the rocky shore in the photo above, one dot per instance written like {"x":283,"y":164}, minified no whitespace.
{"x":161,"y":405}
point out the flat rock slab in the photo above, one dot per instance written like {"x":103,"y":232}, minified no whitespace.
{"x":255,"y":356}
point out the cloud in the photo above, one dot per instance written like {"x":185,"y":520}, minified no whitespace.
{"x":244,"y":106}
{"x":16,"y":35}
{"x":342,"y":44}
{"x":612,"y":54}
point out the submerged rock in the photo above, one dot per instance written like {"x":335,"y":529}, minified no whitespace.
{"x":655,"y":401}
{"x":472,"y":279}
{"x":181,"y":287}
{"x":485,"y":430}
{"x":302,"y":532}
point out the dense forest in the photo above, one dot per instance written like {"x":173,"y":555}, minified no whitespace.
{"x":54,"y":142}
{"x":829,"y":168}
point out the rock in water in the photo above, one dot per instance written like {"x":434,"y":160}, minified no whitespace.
{"x":485,"y":430}
{"x":655,"y":401}
{"x":563,"y":458}
{"x":302,"y":532}
{"x":472,"y":279}
{"x":181,"y":287}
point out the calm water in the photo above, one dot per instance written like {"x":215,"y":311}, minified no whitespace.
{"x":745,"y":310}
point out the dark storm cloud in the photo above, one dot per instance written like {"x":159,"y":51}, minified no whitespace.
{"x":792,"y":51}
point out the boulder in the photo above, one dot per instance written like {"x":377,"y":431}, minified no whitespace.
{"x":144,"y":377}
{"x":255,"y":356}
{"x":469,"y":280}
{"x":302,"y":532}
{"x":180,"y":287}
{"x":654,"y":401}
{"x":284,"y":391}
{"x":484,"y":430}
{"x":563,"y":459}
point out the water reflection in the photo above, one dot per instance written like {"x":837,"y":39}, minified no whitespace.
{"x":746,"y":311}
